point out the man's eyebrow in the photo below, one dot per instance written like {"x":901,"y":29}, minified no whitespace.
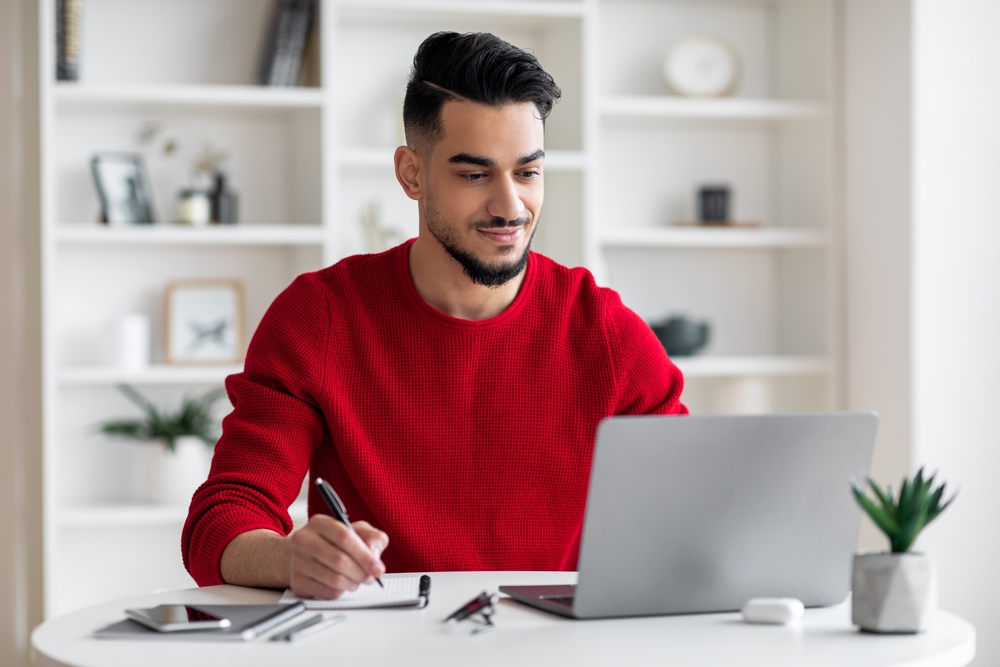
{"x":465,"y":158}
{"x":531,"y":158}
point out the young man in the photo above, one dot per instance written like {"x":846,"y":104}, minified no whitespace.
{"x":450,"y":388}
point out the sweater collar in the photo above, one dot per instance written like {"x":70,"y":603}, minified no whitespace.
{"x":403,"y":266}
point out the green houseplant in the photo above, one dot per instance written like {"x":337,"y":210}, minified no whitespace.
{"x":170,"y":471}
{"x":896,"y":591}
{"x":194,"y":418}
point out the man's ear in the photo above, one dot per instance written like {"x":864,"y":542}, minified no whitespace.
{"x":410,"y":172}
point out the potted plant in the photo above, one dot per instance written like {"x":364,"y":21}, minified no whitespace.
{"x":171,"y":470}
{"x":896,"y":591}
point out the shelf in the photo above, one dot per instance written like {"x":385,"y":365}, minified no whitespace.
{"x":379,"y":158}
{"x":458,"y":8}
{"x":154,"y":375}
{"x":258,"y":97}
{"x":653,"y":106}
{"x":713,"y":237}
{"x":111,"y":516}
{"x":166,"y":234}
{"x":750,"y":366}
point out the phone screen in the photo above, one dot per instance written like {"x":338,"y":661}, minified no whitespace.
{"x":173,"y":617}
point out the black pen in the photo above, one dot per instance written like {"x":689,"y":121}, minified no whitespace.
{"x":337,"y":507}
{"x":474,"y":605}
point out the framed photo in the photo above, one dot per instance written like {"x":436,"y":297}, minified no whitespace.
{"x":204,"y":322}
{"x":124,"y":190}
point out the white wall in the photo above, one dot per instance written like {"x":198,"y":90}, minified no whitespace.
{"x":956,"y":295}
{"x":877,"y":100}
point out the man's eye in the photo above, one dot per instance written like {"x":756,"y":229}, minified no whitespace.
{"x":474,"y":177}
{"x":529,"y":174}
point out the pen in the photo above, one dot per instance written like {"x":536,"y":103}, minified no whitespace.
{"x":308,"y":627}
{"x":477,"y":603}
{"x":425,"y":590}
{"x":337,"y":507}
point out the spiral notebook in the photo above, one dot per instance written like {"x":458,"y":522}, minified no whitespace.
{"x":399,"y":592}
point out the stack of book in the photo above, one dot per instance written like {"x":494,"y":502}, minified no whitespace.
{"x":68,"y":16}
{"x":288,"y":32}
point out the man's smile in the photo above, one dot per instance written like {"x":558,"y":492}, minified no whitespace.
{"x":503,"y":235}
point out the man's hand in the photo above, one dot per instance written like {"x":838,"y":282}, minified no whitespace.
{"x":321,"y":560}
{"x":328,"y":559}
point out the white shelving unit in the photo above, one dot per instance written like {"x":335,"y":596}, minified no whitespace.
{"x":69,"y":95}
{"x":158,"y":374}
{"x":656,"y":106}
{"x":623,"y":161}
{"x":123,"y":516}
{"x":770,"y":292}
{"x":711,"y":237}
{"x":752,"y":366}
{"x":266,"y":235}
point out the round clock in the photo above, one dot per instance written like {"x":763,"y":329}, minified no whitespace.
{"x":702,"y":66}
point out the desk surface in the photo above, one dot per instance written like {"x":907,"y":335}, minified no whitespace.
{"x":523,"y":636}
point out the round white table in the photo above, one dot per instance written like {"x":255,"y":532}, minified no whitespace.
{"x":523,"y":636}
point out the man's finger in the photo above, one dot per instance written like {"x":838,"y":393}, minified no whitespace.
{"x":317,"y":572}
{"x":307,"y":587}
{"x":342,"y":536}
{"x":376,"y":540}
{"x":331,"y":554}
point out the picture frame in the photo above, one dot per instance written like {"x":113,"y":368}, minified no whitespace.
{"x":123,"y":188}
{"x":204,"y":322}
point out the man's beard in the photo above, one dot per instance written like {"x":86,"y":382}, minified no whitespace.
{"x":479,"y":272}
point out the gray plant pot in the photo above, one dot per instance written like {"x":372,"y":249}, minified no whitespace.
{"x":893,"y":592}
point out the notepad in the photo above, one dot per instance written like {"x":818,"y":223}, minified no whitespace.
{"x":398,"y":592}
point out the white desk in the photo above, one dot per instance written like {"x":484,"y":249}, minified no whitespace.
{"x":523,"y":636}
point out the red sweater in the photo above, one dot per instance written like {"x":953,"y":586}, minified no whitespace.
{"x":468,"y":442}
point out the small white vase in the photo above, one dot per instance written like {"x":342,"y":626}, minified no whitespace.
{"x":893,"y":592}
{"x":171,"y":478}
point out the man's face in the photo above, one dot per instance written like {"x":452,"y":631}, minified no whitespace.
{"x":484,"y":187}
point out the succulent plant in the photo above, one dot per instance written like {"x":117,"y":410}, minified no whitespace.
{"x":902,"y":519}
{"x":193,"y":418}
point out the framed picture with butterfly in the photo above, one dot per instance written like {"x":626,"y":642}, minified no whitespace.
{"x":204,"y":322}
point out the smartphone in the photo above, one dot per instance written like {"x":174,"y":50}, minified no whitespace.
{"x":176,"y":618}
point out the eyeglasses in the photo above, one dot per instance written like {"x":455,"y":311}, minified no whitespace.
{"x":479,"y":609}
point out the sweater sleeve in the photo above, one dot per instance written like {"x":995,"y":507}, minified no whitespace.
{"x":647,"y":382}
{"x":268,"y":439}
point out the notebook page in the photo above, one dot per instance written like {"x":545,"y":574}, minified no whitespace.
{"x":398,"y":592}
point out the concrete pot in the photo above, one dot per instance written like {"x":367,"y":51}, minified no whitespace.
{"x":171,"y":478}
{"x":893,"y":592}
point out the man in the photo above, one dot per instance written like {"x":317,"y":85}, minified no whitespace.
{"x":450,"y":388}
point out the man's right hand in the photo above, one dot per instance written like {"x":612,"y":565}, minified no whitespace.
{"x":328,"y":559}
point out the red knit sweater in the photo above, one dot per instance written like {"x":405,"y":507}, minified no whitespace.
{"x":468,"y":442}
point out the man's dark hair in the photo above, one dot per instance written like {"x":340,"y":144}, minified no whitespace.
{"x":475,"y":66}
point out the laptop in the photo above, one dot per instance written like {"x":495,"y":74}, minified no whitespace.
{"x":700,"y":514}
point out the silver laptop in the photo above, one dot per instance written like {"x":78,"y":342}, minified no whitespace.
{"x":700,"y":514}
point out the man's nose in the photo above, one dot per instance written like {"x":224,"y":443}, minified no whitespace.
{"x":505,"y":201}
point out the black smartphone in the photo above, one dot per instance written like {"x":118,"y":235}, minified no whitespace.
{"x":176,"y":618}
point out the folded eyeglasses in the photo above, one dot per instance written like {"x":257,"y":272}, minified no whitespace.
{"x":479,"y":610}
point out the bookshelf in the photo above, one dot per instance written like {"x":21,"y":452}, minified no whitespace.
{"x":657,"y":106}
{"x":623,"y":161}
{"x":164,"y":235}
{"x":226,"y":97}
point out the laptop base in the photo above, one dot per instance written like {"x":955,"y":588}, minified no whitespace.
{"x":553,"y":599}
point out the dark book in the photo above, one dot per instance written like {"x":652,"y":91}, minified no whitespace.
{"x":299,"y":35}
{"x":68,"y":17}
{"x":288,"y":32}
{"x":275,"y":43}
